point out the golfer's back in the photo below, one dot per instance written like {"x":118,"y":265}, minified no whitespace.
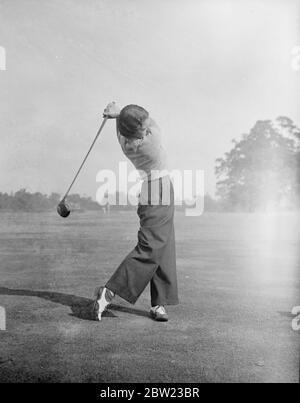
{"x":146,"y":154}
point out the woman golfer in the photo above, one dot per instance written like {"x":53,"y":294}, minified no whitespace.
{"x":153,"y":259}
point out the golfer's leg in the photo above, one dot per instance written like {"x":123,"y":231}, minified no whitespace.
{"x":163,"y":286}
{"x":138,"y":268}
{"x":134,"y":273}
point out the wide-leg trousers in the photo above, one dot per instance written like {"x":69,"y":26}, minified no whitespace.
{"x":154,"y":257}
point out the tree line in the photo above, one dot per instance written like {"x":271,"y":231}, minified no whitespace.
{"x":22,"y":200}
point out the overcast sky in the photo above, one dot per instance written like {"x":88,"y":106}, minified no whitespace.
{"x":206,"y":71}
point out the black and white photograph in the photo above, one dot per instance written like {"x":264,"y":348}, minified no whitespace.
{"x":149,"y":194}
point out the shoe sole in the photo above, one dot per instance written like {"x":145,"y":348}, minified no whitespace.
{"x":158,"y":318}
{"x":95,"y":309}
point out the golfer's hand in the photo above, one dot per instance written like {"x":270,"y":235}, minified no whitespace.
{"x":112,"y":111}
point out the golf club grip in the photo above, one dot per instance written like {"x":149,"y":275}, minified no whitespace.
{"x":85,"y":158}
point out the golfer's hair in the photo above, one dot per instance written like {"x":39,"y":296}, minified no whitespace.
{"x":131,"y":120}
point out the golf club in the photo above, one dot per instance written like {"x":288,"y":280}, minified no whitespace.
{"x":63,"y":209}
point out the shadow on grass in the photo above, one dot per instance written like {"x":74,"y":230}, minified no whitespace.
{"x":81,"y":307}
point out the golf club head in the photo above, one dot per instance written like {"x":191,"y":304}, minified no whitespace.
{"x":63,"y":209}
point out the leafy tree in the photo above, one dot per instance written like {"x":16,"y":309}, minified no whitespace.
{"x":262,"y":169}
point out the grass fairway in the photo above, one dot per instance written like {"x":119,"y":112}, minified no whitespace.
{"x":238,"y":281}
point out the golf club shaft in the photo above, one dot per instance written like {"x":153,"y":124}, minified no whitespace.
{"x":85,"y":158}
